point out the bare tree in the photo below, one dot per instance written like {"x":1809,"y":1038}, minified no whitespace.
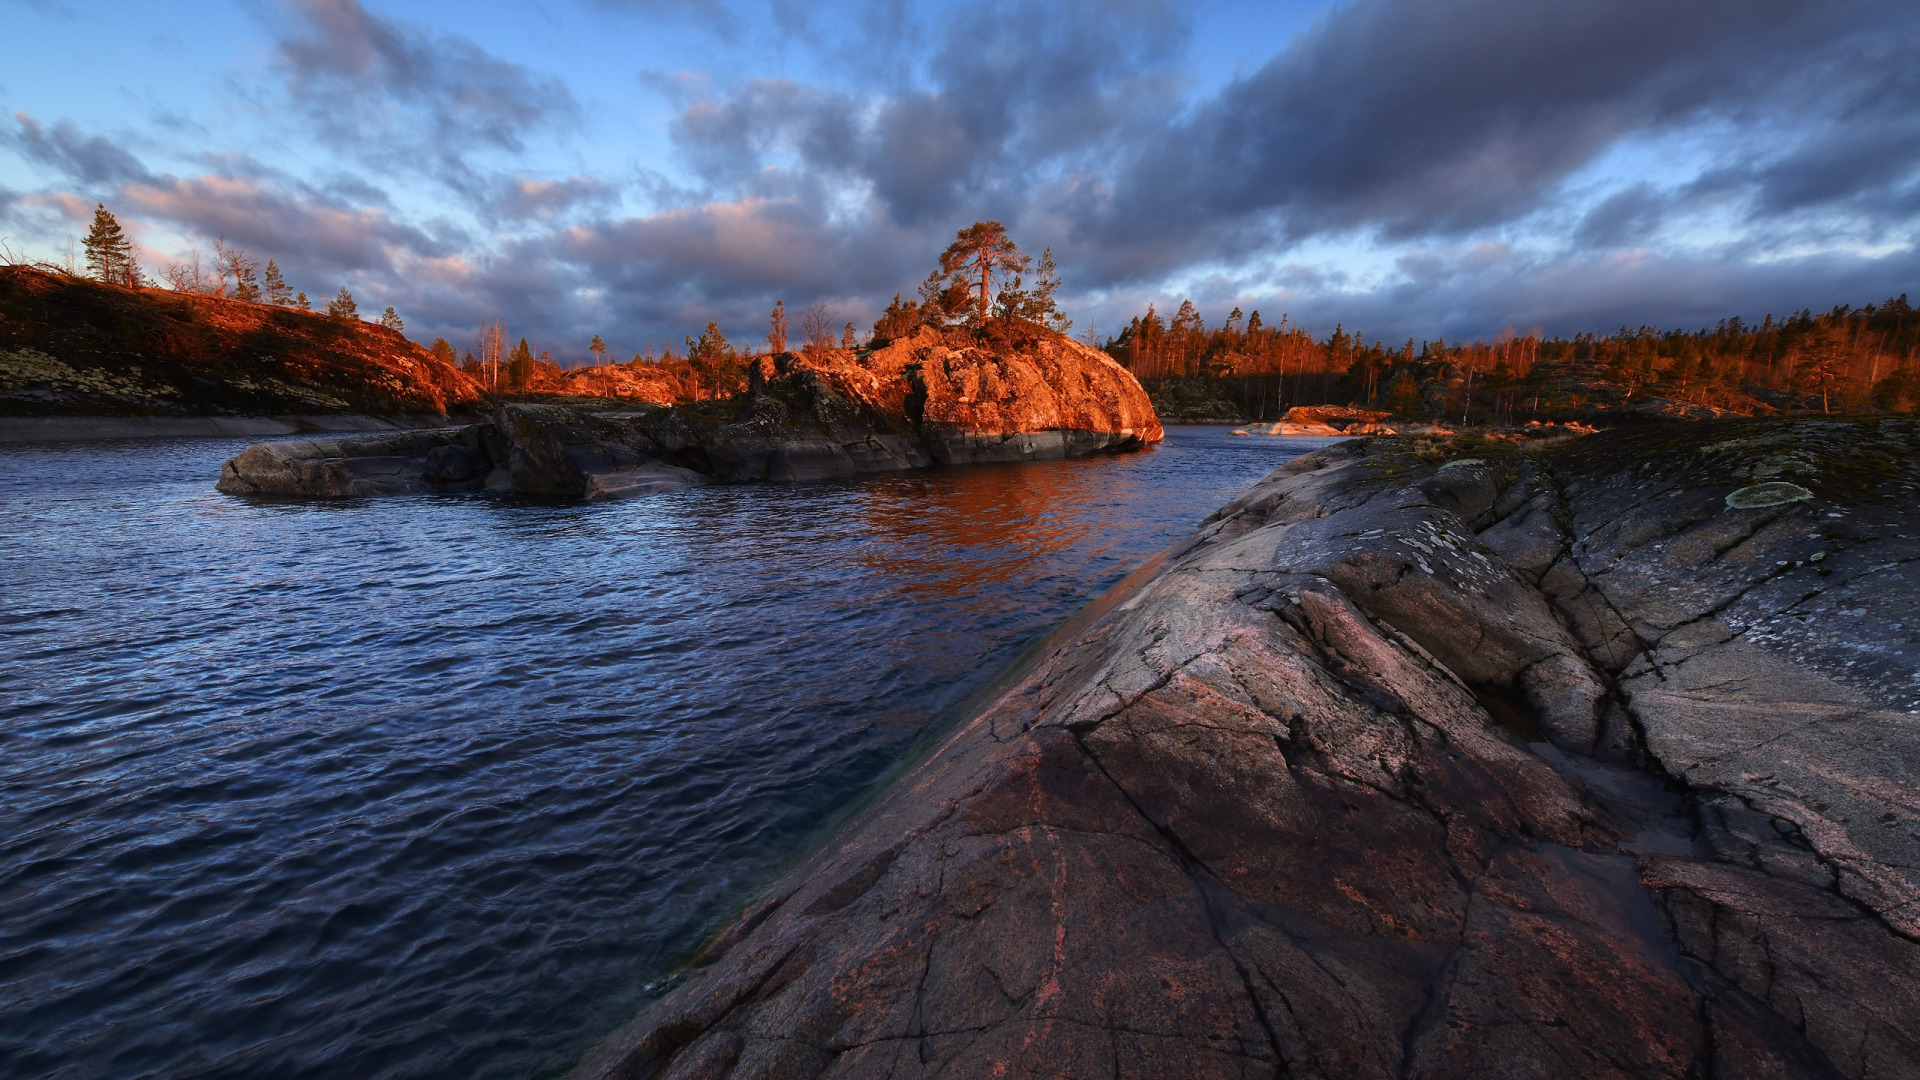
{"x":183,"y":275}
{"x":817,"y":326}
{"x":777,"y":328}
{"x":239,"y":267}
{"x":490,"y":349}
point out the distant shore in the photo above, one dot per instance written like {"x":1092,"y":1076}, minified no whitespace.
{"x":27,"y":429}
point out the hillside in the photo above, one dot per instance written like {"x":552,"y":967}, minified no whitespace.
{"x":73,"y":347}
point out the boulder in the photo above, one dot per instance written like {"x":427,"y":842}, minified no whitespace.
{"x":1418,"y":759}
{"x":395,"y":463}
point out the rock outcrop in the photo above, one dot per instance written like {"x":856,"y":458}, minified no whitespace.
{"x":531,"y":449}
{"x":1424,"y":758}
{"x":934,"y":397}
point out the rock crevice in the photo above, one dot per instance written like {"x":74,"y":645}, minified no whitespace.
{"x":1422,"y":759}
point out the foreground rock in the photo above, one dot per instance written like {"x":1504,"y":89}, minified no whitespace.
{"x":1423,"y":758}
{"x":935,"y":397}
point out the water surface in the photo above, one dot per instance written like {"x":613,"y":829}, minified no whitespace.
{"x":436,"y":786}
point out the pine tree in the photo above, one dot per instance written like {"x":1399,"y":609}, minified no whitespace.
{"x":342,"y":306}
{"x":277,"y":292}
{"x":599,"y":350}
{"x":391,"y":320}
{"x":109,"y":252}
{"x":519,"y":366}
{"x":442,"y":351}
{"x":980,"y":253}
{"x":1821,"y":365}
{"x":1047,"y":283}
{"x":897,"y":321}
{"x":1038,"y":305}
{"x":245,"y":286}
{"x":711,"y":356}
{"x":300,"y":301}
{"x":847,"y":339}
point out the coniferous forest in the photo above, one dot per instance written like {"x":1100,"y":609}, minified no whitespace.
{"x":1844,"y":360}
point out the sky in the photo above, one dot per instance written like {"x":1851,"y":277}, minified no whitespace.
{"x":635,"y":168}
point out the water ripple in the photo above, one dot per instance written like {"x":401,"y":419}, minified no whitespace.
{"x":435,"y":786}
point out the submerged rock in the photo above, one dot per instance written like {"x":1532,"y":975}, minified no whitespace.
{"x":1419,"y":760}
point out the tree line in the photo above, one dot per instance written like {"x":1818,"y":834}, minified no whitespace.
{"x":229,"y":272}
{"x":1847,"y":358}
{"x":979,"y":286}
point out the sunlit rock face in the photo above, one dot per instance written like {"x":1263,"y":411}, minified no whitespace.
{"x":1422,"y":758}
{"x":945,"y":397}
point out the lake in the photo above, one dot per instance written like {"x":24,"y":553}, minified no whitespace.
{"x":446,"y":786}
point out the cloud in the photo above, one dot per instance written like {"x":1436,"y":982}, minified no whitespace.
{"x":393,"y":94}
{"x":523,"y":199}
{"x":1409,"y":166}
{"x":86,"y":159}
{"x":297,"y":226}
{"x":1438,"y":118}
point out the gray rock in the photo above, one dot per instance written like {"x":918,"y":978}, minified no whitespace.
{"x":366,"y":465}
{"x":454,"y":464}
{"x":532,"y":449}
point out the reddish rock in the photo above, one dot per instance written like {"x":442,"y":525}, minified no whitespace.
{"x":1298,"y":804}
{"x":937,"y":396}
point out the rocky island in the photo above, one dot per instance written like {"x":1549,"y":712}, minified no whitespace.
{"x":932,"y":396}
{"x":1423,"y":757}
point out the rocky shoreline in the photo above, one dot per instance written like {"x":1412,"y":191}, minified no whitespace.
{"x":1424,"y":757}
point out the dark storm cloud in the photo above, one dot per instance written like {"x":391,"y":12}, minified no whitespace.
{"x":1631,"y":215}
{"x":730,"y":262}
{"x":1389,"y":118}
{"x":86,"y":159}
{"x":1407,"y":119}
{"x":392,"y":94}
{"x":1010,"y":92}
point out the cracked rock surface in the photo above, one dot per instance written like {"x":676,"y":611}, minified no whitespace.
{"x":1421,"y":759}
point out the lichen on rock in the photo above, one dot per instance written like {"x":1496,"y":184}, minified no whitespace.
{"x":1772,"y":493}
